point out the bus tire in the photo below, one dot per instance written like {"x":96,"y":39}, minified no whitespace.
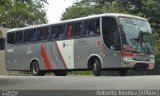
{"x":60,"y":72}
{"x":123,"y":72}
{"x":35,"y":69}
{"x":96,"y":67}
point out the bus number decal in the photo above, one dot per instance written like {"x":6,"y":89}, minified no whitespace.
{"x":9,"y":50}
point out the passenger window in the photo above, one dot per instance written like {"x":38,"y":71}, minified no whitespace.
{"x":11,"y":38}
{"x":40,"y":34}
{"x":60,"y":32}
{"x":53,"y":32}
{"x":69,"y":32}
{"x":32,"y":35}
{"x":89,"y":28}
{"x":26,"y":36}
{"x":85,"y":28}
{"x":19,"y":36}
{"x":46,"y":33}
{"x":97,"y":27}
{"x":43,"y":33}
{"x":77,"y":29}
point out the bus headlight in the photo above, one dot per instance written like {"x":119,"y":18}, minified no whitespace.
{"x":152,"y":58}
{"x":128,"y":58}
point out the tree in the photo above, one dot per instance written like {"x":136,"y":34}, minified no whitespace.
{"x":88,"y":7}
{"x":21,"y":13}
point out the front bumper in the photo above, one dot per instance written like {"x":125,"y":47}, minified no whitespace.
{"x":137,"y":64}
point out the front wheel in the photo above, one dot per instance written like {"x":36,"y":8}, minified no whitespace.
{"x":96,"y":68}
{"x":35,"y":70}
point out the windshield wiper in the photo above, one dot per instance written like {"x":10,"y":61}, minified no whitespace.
{"x":139,"y":43}
{"x":141,"y":34}
{"x":147,"y":48}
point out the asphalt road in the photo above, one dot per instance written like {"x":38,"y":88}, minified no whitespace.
{"x":79,"y":82}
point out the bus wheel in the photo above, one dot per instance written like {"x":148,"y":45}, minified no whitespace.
{"x":123,"y":72}
{"x":35,"y":70}
{"x":60,"y":72}
{"x":96,"y":67}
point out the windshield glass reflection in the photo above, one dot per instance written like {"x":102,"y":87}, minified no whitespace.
{"x":136,"y":35}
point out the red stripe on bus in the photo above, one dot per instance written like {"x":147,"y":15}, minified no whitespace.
{"x":61,"y":55}
{"x":45,"y":58}
{"x":126,"y":54}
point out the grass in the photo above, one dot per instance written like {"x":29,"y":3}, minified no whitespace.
{"x":80,"y":73}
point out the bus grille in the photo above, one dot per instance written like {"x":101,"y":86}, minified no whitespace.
{"x":141,"y":65}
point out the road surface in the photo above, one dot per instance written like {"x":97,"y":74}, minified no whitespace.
{"x":40,"y":85}
{"x":79,"y":82}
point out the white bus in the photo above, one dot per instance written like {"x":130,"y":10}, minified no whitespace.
{"x":101,"y":42}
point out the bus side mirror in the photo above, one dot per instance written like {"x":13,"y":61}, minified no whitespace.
{"x":154,"y":39}
{"x":153,"y":36}
{"x":153,"y":29}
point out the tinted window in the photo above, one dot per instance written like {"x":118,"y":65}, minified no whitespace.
{"x":110,"y":32}
{"x":91,"y":27}
{"x":26,"y":36}
{"x":46,"y":32}
{"x":19,"y":36}
{"x":53,"y":32}
{"x":97,"y":27}
{"x":43,"y":33}
{"x":69,"y":32}
{"x":10,"y":38}
{"x":60,"y":32}
{"x":40,"y":34}
{"x":32,"y":35}
{"x":77,"y":29}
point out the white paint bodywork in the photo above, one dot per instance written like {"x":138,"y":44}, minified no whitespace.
{"x":66,"y":48}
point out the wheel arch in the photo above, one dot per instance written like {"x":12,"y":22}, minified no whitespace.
{"x":91,"y":58}
{"x":33,"y":60}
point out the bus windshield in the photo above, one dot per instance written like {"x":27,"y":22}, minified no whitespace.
{"x":136,"y":35}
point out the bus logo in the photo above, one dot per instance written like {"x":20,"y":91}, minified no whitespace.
{"x":98,"y":43}
{"x":63,"y":45}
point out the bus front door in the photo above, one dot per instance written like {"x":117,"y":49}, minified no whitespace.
{"x":112,"y":43}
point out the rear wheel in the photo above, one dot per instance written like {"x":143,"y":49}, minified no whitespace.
{"x":35,"y":70}
{"x":123,"y":72}
{"x":60,"y":72}
{"x":96,"y":67}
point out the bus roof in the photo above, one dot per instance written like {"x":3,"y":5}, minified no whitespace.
{"x":78,"y":19}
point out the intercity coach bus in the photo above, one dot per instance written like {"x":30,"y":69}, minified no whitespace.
{"x":108,"y":41}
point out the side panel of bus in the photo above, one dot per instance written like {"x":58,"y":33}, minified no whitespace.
{"x":86,"y":47}
{"x":50,"y":55}
{"x":9,"y":54}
